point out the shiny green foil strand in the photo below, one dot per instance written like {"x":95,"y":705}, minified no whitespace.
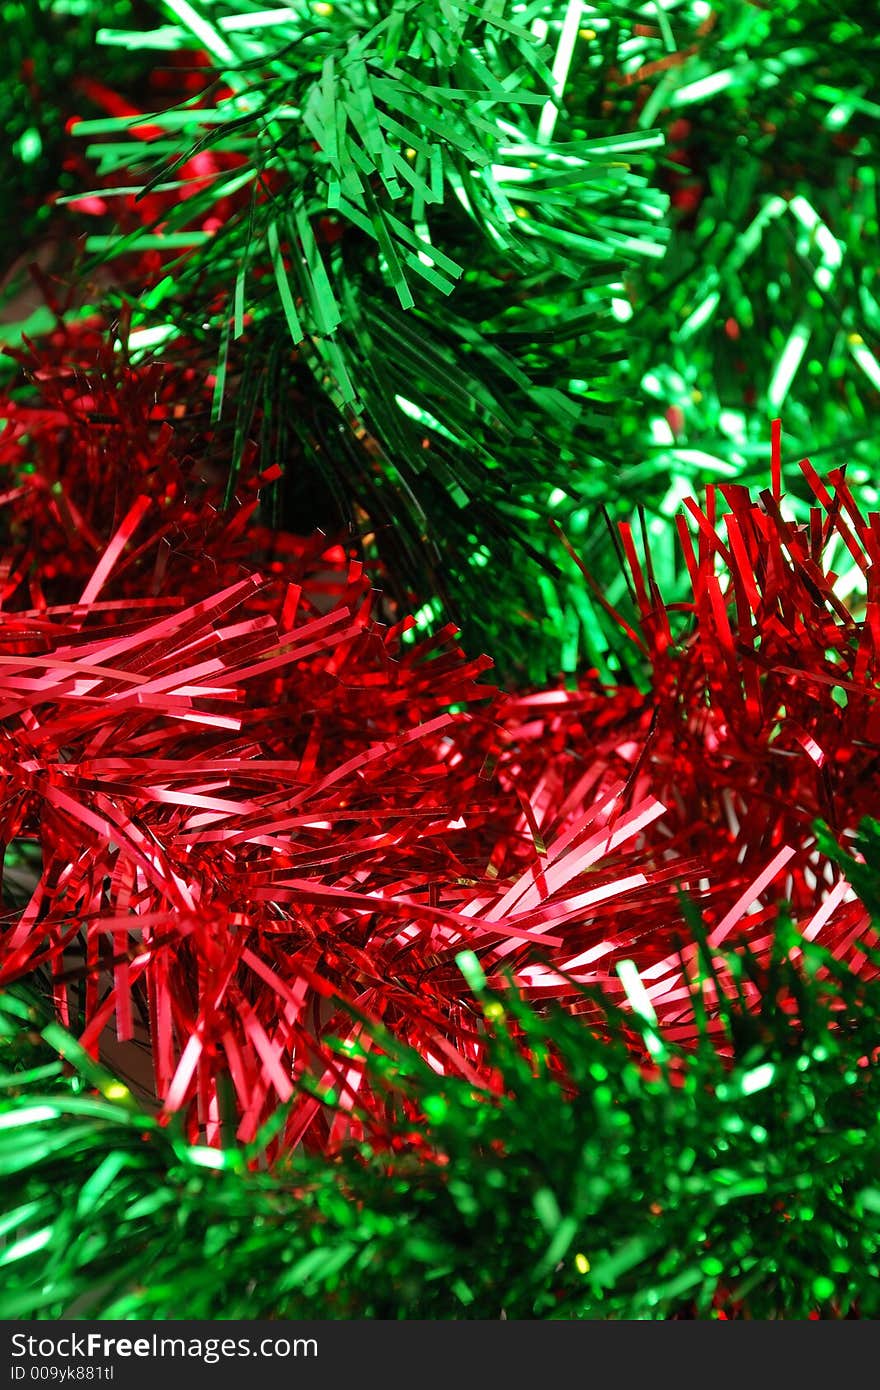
{"x":606,"y":1174}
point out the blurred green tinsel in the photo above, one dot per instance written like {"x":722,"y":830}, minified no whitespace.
{"x":49,"y":46}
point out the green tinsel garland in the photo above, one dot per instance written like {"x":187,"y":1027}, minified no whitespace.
{"x":443,"y":243}
{"x":478,"y":272}
{"x":553,"y":361}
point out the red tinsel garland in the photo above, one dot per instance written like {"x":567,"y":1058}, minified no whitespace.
{"x":250,"y":800}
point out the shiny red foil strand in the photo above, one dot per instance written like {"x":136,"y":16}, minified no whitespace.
{"x":251,"y":800}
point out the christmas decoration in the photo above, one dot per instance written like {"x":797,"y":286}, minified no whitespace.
{"x":383,"y":343}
